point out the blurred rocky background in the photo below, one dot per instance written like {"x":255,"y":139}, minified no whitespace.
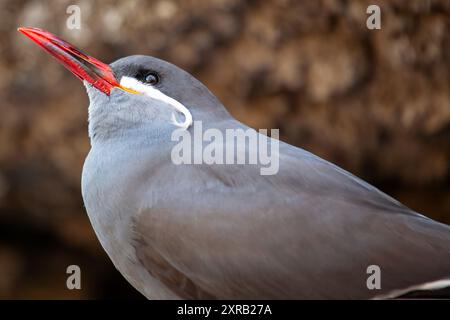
{"x":376,"y":102}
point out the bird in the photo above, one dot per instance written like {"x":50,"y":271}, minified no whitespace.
{"x":226,"y":231}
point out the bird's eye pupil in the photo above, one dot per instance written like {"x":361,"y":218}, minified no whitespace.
{"x":151,"y":78}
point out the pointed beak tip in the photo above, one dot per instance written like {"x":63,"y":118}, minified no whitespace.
{"x":83,"y":66}
{"x":24,"y":30}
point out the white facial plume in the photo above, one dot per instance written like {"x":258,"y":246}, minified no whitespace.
{"x":136,"y":85}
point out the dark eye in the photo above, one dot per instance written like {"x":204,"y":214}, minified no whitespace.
{"x":151,"y":78}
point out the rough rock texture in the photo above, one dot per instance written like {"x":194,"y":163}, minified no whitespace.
{"x":376,"y":102}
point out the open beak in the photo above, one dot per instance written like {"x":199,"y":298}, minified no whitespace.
{"x":83,"y":66}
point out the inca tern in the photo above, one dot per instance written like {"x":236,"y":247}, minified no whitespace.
{"x":226,"y":231}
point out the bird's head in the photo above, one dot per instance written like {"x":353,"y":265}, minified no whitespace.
{"x":133,"y":92}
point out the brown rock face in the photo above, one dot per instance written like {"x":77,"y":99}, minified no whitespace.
{"x":376,"y":102}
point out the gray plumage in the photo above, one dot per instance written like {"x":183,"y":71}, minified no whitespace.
{"x":225,"y":231}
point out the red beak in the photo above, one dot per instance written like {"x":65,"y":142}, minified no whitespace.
{"x":83,"y":66}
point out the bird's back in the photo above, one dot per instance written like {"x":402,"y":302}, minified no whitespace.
{"x":310,"y":231}
{"x":296,"y":235}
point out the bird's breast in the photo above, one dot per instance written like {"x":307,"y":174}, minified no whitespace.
{"x":112,"y":188}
